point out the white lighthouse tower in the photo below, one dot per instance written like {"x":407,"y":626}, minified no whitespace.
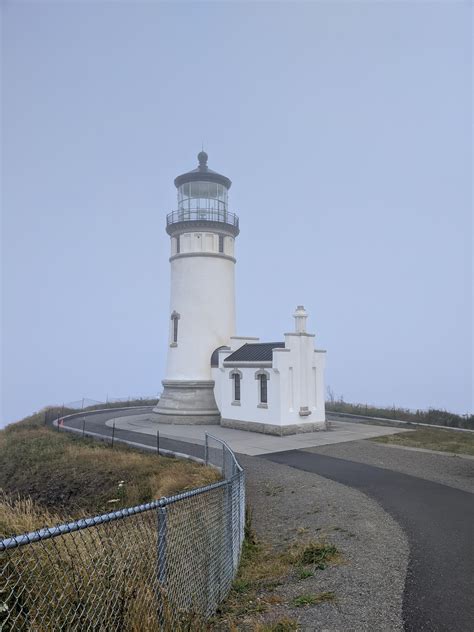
{"x":202,"y":305}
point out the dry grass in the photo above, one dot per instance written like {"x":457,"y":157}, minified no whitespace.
{"x":22,"y":515}
{"x":104,"y":574}
{"x":105,"y":577}
{"x":430,"y":416}
{"x":433,"y":439}
{"x":285,"y":624}
{"x":73,"y":477}
{"x":313,"y":599}
{"x":262,"y":571}
{"x":100,"y":578}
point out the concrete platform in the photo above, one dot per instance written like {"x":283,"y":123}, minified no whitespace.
{"x":253,"y":443}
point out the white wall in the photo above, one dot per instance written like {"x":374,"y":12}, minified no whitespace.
{"x":296,"y":381}
{"x":302,"y":371}
{"x":199,"y":241}
{"x":249,"y":409}
{"x":203,"y":294}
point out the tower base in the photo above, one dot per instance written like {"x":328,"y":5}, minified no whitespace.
{"x":187,"y":402}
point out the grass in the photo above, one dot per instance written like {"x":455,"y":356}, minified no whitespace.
{"x":48,"y":477}
{"x":433,"y":439}
{"x":107,"y":566}
{"x":263,"y":570}
{"x":285,"y":624}
{"x":312,"y":600}
{"x":318,"y":554}
{"x":73,"y":477}
{"x":430,"y":416}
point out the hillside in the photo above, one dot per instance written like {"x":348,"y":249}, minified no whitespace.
{"x":72,"y":477}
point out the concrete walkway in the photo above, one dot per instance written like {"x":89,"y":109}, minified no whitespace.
{"x":253,"y":443}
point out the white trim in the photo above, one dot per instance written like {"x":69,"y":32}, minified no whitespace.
{"x":220,"y":255}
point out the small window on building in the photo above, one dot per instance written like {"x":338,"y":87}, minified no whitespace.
{"x":263,"y":388}
{"x":174,"y":327}
{"x":236,"y":377}
{"x":221,"y":243}
{"x":177,"y":245}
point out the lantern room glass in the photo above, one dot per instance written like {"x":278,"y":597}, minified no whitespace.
{"x":202,"y":200}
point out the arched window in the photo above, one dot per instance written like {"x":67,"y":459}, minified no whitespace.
{"x":262,"y":377}
{"x":236,"y":377}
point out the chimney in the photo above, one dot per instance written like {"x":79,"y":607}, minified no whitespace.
{"x":300,"y":317}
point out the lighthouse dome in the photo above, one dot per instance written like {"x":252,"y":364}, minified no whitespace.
{"x":202,"y":174}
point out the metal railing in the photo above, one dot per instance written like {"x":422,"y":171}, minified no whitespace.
{"x":202,"y":215}
{"x":149,"y":567}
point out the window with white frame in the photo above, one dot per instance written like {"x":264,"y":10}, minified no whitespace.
{"x":262,"y":377}
{"x":263,"y":389}
{"x":236,"y":377}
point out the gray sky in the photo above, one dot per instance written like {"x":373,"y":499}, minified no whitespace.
{"x":345,"y":128}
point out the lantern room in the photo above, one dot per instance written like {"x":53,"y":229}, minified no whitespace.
{"x":203,"y":196}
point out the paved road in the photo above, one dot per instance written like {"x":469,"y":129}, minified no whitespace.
{"x":438,"y":521}
{"x":95,"y":422}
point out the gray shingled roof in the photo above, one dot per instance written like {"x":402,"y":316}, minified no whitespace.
{"x":255,"y":352}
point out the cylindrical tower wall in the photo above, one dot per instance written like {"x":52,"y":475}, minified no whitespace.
{"x":203,"y":301}
{"x":202,"y":305}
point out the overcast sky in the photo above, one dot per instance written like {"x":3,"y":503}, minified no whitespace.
{"x":345,"y":128}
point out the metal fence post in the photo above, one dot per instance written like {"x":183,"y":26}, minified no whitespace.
{"x":206,"y":449}
{"x":229,"y":546}
{"x":162,"y":564}
{"x":158,"y":442}
{"x":83,"y":427}
{"x":113,"y":433}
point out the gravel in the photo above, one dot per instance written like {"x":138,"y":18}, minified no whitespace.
{"x":454,"y":471}
{"x":289,"y":505}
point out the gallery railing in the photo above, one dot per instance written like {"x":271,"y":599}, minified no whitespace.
{"x":202,"y":215}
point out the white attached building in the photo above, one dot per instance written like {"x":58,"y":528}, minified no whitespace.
{"x":212,"y":375}
{"x":271,"y":387}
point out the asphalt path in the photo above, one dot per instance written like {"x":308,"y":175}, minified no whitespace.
{"x":438,"y":521}
{"x":96,"y":423}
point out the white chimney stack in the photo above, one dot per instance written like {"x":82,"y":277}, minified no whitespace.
{"x":300,"y":317}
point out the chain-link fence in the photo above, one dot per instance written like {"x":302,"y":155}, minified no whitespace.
{"x":152,"y":567}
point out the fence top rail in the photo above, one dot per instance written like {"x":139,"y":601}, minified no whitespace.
{"x":86,"y":413}
{"x":84,"y":523}
{"x":227,"y":446}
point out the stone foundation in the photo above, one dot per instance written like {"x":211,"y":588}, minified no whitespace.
{"x":187,"y":402}
{"x":273,"y":429}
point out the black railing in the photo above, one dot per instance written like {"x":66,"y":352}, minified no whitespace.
{"x":202,"y":215}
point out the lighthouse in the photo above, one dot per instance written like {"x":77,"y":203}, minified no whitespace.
{"x":202,"y":303}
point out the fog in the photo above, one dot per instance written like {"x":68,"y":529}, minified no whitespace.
{"x":345,"y":129}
